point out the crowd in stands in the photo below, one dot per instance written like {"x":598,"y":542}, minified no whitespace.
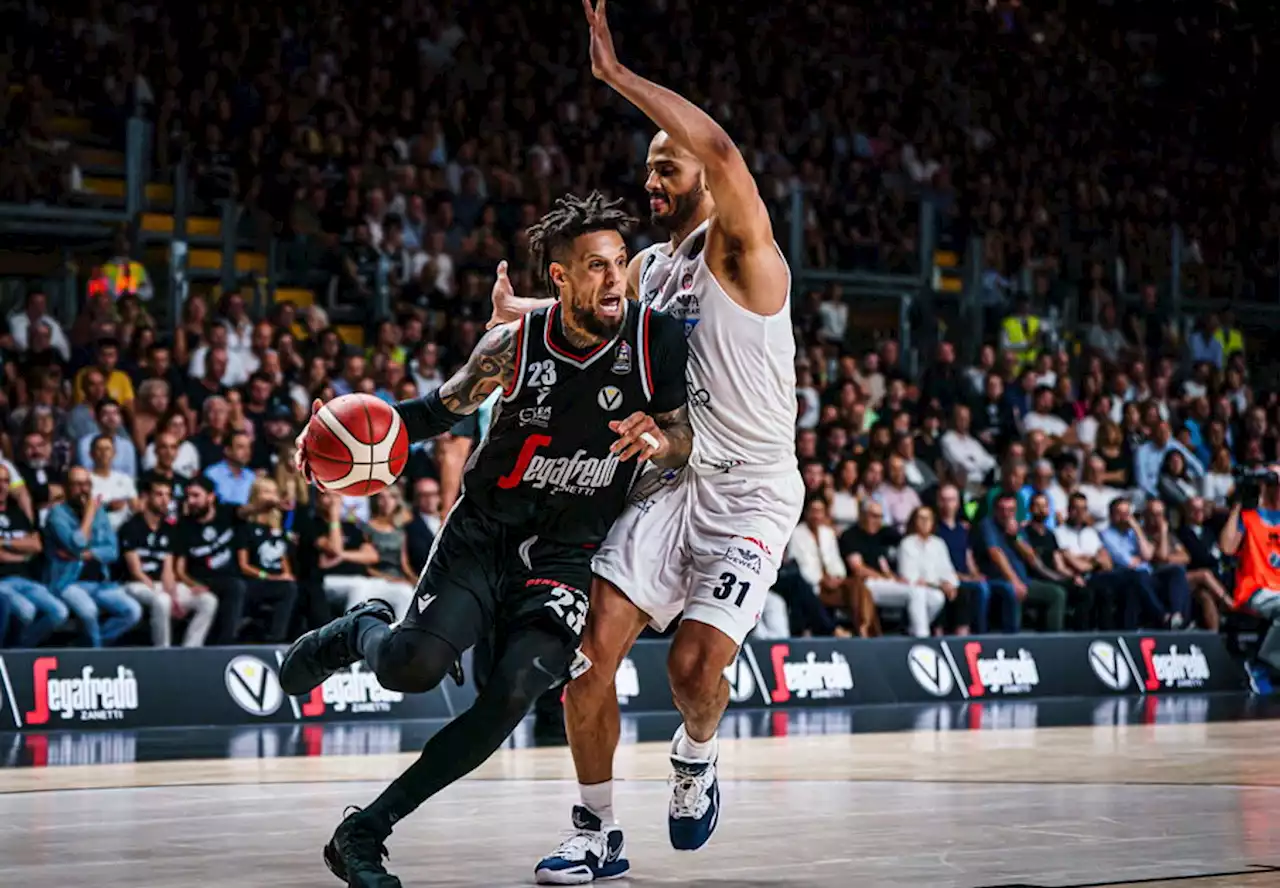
{"x":1055,"y":481}
{"x":1038,"y":489}
{"x":154,"y":484}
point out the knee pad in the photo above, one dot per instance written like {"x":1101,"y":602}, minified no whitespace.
{"x":521,"y":677}
{"x":413,"y":661}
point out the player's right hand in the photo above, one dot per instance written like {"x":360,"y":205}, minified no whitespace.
{"x":639,"y":435}
{"x":300,"y":463}
{"x":503,"y":297}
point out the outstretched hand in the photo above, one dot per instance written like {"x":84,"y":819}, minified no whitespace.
{"x":503,"y":297}
{"x":604,"y":60}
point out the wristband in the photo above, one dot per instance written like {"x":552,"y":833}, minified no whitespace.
{"x":427,"y":417}
{"x":262,"y":574}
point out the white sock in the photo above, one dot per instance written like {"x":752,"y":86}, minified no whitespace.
{"x":598,"y":799}
{"x":695,"y":750}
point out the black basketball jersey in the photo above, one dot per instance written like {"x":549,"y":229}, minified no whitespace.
{"x":545,"y":462}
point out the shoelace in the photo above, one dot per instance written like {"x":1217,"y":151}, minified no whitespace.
{"x":581,"y":841}
{"x":690,"y":798}
{"x":359,"y":842}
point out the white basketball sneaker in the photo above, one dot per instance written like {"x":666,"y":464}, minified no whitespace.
{"x":593,"y":852}
{"x":695,"y":799}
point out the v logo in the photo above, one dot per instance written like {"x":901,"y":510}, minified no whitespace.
{"x":254,"y":682}
{"x":424,"y":602}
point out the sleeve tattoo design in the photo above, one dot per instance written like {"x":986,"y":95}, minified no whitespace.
{"x":489,"y":367}
{"x":675,"y":425}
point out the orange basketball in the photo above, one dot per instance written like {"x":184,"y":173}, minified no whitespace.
{"x":356,"y":445}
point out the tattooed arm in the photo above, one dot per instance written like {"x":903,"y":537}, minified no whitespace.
{"x":490,"y":367}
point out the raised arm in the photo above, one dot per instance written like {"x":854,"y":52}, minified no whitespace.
{"x":740,"y":245}
{"x":508,"y":307}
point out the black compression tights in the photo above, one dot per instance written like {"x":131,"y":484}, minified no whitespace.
{"x":527,"y":666}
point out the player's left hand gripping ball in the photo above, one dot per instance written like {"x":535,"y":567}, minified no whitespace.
{"x":639,"y":435}
{"x":355,"y":444}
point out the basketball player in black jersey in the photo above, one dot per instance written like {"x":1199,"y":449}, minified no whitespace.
{"x":590,"y":387}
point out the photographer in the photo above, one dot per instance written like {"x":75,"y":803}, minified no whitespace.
{"x":1251,"y":533}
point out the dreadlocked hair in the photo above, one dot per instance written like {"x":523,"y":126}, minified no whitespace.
{"x":572,"y":217}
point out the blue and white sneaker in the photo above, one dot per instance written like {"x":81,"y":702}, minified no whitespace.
{"x":695,"y":800}
{"x":593,"y":852}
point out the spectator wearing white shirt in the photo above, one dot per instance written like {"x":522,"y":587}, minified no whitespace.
{"x":1086,"y":428}
{"x":1115,"y":592}
{"x":1042,"y":418}
{"x":833,"y":316}
{"x":238,"y":324}
{"x":236,"y":372}
{"x":965,"y":453}
{"x":923,"y":560}
{"x":808,"y":401}
{"x":865,"y":547}
{"x":116,"y":490}
{"x":817,"y":555}
{"x":36,"y":312}
{"x":424,"y":367}
{"x":110,"y":423}
{"x":1096,"y":492}
{"x":1218,"y":483}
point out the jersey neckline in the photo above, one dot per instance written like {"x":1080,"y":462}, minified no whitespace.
{"x":559,"y":346}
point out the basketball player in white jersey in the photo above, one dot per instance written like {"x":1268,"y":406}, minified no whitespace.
{"x":707,"y":540}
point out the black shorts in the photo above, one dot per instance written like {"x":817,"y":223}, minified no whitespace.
{"x":484,"y":579}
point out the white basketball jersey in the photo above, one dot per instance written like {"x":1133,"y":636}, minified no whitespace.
{"x":742,"y":381}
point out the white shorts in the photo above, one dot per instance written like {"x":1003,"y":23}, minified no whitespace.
{"x":706,"y":545}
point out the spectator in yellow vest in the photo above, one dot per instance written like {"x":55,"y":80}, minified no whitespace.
{"x":1229,"y":335}
{"x":121,"y":275}
{"x":1020,"y":332}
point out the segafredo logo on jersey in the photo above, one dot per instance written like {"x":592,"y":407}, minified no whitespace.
{"x":84,"y":696}
{"x":355,"y":690}
{"x":627,"y":681}
{"x":1174,"y":669}
{"x":1001,"y":674}
{"x":810,"y":678}
{"x":1109,"y":666}
{"x":579,"y":475}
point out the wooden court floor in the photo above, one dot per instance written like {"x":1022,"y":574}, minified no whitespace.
{"x":1192,"y":806}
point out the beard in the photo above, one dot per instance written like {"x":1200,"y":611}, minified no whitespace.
{"x":683,"y":207}
{"x":582,"y":319}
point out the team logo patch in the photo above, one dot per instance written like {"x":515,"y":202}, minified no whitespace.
{"x":622,"y":359}
{"x":610,"y":398}
{"x":687,"y":281}
{"x":743,"y":558}
{"x":535,"y":416}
